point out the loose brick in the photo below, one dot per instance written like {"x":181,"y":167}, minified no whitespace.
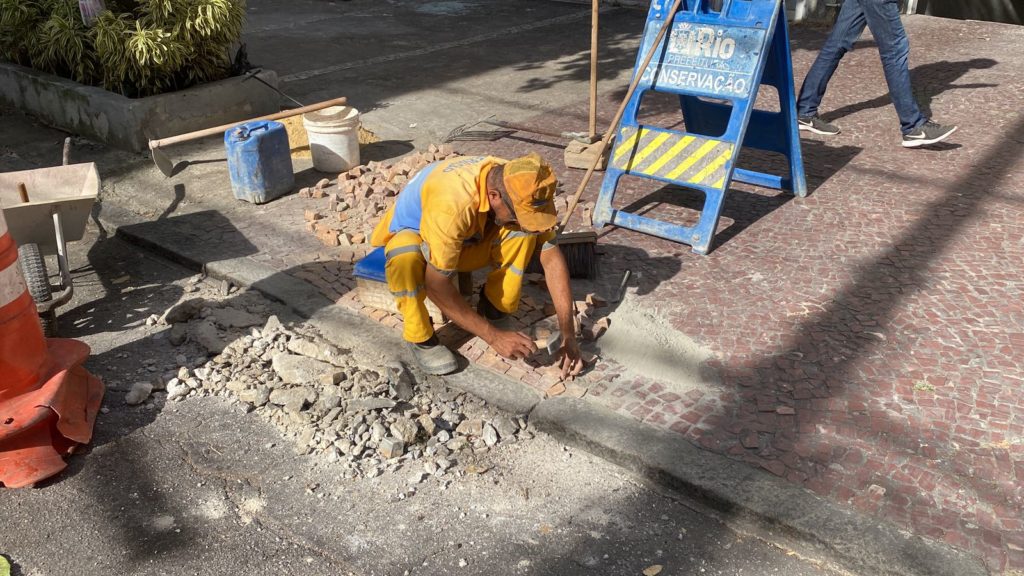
{"x":775,"y":467}
{"x":328,"y":237}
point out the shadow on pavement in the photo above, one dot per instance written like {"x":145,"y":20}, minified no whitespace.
{"x":683,"y":206}
{"x":384,"y":150}
{"x":823,"y":361}
{"x":928,"y":80}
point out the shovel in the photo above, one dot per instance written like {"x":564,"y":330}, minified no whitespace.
{"x":163,"y":161}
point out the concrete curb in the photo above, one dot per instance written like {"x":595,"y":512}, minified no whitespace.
{"x":743,"y":497}
{"x":125,"y":122}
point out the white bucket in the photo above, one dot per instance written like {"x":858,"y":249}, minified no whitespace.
{"x":333,"y":138}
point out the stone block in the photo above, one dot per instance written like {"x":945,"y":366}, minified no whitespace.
{"x":390,"y":448}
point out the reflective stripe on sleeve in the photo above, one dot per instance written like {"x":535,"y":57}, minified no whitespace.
{"x":426,"y":254}
{"x":513,"y":234}
{"x":445,"y":273}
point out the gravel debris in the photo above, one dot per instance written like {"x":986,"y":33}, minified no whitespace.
{"x":371,"y":419}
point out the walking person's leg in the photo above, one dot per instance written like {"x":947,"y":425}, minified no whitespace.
{"x":848,"y":27}
{"x":883,"y":19}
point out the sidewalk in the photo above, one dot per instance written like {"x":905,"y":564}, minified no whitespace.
{"x":864,"y":343}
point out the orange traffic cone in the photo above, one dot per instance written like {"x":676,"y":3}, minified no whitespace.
{"x":48,"y":402}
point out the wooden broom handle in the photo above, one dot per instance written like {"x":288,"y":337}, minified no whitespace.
{"x":220,"y":129}
{"x":618,"y":114}
{"x":595,"y":8}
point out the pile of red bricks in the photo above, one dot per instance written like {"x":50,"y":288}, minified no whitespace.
{"x":360,"y":196}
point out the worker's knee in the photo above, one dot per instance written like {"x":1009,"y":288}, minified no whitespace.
{"x":503,"y":294}
{"x":408,"y":259}
{"x":504,"y":287}
{"x":404,"y":261}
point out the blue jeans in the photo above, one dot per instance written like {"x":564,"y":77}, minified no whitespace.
{"x":883,"y":18}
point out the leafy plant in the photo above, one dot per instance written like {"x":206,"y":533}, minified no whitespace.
{"x":136,"y":48}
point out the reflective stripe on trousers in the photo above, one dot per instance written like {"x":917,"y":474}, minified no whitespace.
{"x":508,"y":252}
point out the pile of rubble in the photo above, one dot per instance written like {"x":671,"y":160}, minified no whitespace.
{"x":361,"y":196}
{"x":370,"y":419}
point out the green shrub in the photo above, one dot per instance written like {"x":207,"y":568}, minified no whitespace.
{"x":136,"y":48}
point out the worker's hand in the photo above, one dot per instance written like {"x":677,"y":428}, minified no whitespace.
{"x":512,"y":345}
{"x":570,"y":359}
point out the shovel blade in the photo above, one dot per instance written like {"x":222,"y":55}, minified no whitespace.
{"x":162,"y":161}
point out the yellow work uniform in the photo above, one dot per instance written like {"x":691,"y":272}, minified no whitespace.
{"x":440,"y":219}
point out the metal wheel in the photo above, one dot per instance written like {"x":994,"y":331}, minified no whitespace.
{"x":33,"y":266}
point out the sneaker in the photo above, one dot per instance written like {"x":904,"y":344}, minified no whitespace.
{"x":927,"y":133}
{"x":433,"y":357}
{"x":817,"y":125}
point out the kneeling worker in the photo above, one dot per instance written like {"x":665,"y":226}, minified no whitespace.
{"x":460,"y":215}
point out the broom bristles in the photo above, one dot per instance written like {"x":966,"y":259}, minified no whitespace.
{"x":580,"y":258}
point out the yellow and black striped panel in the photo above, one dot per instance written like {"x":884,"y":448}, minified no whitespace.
{"x":681,"y":157}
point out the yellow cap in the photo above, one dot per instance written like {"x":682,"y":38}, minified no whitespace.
{"x":530,"y":183}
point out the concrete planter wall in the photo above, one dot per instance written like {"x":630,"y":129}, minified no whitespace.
{"x":125,"y":122}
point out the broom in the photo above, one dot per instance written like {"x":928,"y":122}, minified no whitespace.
{"x":579,"y":248}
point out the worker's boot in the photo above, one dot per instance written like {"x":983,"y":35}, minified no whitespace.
{"x":434,"y":357}
{"x":497,"y":318}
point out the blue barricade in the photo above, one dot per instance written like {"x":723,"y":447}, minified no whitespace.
{"x":715,"y":58}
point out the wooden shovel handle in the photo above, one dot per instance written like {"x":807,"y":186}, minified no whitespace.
{"x":153,"y":144}
{"x":618,"y":114}
{"x":594,"y":10}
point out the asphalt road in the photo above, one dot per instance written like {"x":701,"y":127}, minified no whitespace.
{"x":200,"y":487}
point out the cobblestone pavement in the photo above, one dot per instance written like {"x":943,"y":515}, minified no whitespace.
{"x":868,"y":338}
{"x":864,"y":342}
